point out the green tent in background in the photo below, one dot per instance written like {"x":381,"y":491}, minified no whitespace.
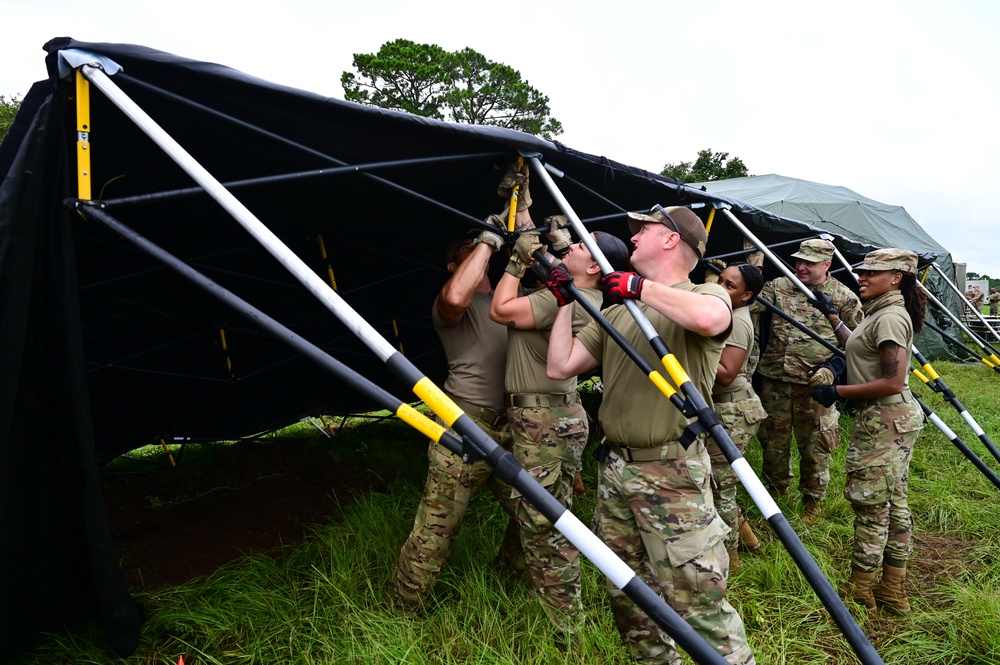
{"x":846,"y":213}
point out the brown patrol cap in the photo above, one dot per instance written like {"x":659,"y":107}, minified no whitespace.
{"x":892,"y":258}
{"x":678,"y":218}
{"x":815,"y":251}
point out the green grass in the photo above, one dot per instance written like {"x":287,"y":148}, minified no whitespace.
{"x":322,"y":602}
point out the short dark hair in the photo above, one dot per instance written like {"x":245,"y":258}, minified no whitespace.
{"x":614,"y":249}
{"x":753,"y":278}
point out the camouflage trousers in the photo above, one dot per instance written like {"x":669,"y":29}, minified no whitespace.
{"x":792,"y":410}
{"x":878,"y":470}
{"x":741,"y":420}
{"x":449,"y":487}
{"x":548,"y":443}
{"x":659,"y":518}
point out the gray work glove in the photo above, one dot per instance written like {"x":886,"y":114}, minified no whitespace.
{"x":516,"y":176}
{"x":521,"y":255}
{"x":489,"y":238}
{"x":558,"y":236}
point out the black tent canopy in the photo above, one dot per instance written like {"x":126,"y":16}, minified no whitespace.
{"x":104,"y":350}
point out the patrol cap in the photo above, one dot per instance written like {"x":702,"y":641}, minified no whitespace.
{"x":892,"y":258}
{"x":815,"y":251}
{"x":678,"y":218}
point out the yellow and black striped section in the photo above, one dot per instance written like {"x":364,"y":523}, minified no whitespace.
{"x":512,"y":213}
{"x":418,"y":421}
{"x":83,"y":177}
{"x":711,"y":218}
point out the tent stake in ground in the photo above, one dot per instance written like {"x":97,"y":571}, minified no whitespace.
{"x":503,"y":463}
{"x":709,"y":422}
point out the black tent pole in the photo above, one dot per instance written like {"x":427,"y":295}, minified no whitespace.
{"x":694,"y":405}
{"x":475,"y":444}
{"x":959,"y":345}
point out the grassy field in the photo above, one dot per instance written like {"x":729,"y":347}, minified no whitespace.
{"x":322,"y":602}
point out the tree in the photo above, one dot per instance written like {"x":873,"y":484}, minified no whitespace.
{"x":8,"y":109}
{"x":462,"y":86}
{"x":709,"y":166}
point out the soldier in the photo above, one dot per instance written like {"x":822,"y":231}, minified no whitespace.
{"x":977,"y":299}
{"x":476,"y":351}
{"x":885,"y":430}
{"x":547,"y":420}
{"x":654,"y":500}
{"x":737,"y":405}
{"x":785,"y":367}
{"x":994,"y":301}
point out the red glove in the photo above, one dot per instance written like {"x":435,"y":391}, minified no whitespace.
{"x":558,"y":283}
{"x":620,"y":285}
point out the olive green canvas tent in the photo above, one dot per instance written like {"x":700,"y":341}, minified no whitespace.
{"x":845,"y":213}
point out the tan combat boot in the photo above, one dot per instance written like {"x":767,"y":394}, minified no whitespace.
{"x":810,"y":510}
{"x":734,"y":561}
{"x":858,"y":589}
{"x":747,"y":537}
{"x":890,"y":591}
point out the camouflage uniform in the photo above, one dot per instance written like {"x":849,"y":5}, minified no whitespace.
{"x":882,"y":440}
{"x":785,"y":394}
{"x":656,"y":511}
{"x":994,"y":301}
{"x":741,"y":413}
{"x":549,"y":431}
{"x":476,"y":352}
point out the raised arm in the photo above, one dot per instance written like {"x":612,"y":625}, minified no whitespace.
{"x":567,"y":356}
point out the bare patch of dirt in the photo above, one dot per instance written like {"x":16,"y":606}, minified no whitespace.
{"x":171,"y":527}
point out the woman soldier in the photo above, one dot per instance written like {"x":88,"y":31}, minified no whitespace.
{"x":736,"y":403}
{"x":885,"y":429}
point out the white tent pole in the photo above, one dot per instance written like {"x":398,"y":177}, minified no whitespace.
{"x":768,"y":253}
{"x":242,"y":214}
{"x":962,"y":298}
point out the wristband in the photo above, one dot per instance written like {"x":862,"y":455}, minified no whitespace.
{"x":839,"y":326}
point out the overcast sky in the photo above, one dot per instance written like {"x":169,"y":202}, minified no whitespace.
{"x":896,"y":100}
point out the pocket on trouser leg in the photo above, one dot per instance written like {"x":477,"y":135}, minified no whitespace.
{"x":869,"y":487}
{"x":828,"y":437}
{"x":547,"y":476}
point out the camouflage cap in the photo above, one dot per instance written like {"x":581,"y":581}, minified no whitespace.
{"x":678,"y":218}
{"x":815,"y":251}
{"x":892,"y":258}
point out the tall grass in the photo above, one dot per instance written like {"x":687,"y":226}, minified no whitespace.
{"x":323,"y":602}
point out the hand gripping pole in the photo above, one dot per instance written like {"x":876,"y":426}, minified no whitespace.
{"x":502,"y":462}
{"x":707,"y":419}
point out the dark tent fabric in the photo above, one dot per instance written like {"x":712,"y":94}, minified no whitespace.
{"x":844,"y":212}
{"x":104,"y":350}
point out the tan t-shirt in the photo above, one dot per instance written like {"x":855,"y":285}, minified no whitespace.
{"x":634,"y":412}
{"x":476,"y":349}
{"x":527,"y":350}
{"x":741,"y":338}
{"x":886,"y":320}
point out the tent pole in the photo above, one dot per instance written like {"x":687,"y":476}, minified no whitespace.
{"x":984,"y":346}
{"x":182,"y":192}
{"x":962,"y":298}
{"x":958,"y":344}
{"x":708,"y":421}
{"x":503,"y":462}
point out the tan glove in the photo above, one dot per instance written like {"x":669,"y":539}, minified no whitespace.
{"x":712,"y":276}
{"x":821,"y":377}
{"x":754,"y":258}
{"x":489,"y":238}
{"x":557,"y":235}
{"x":516,"y":175}
{"x":521,"y":255}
